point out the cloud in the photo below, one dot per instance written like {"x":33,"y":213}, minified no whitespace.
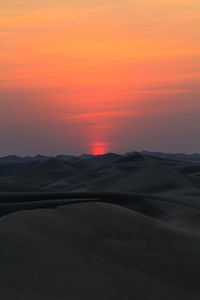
{"x":102,"y":115}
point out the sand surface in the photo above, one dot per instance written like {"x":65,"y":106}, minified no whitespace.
{"x":109,"y":227}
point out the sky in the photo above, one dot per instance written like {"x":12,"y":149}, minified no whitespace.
{"x":97,"y":76}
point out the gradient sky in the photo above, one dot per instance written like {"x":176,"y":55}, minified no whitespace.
{"x":99,"y":75}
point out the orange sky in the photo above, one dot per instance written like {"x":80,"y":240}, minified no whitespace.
{"x":95,"y":76}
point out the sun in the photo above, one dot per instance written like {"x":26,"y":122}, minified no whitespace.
{"x":98,"y":148}
{"x":98,"y":151}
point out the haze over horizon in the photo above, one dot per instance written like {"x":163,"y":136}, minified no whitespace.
{"x":99,"y":76}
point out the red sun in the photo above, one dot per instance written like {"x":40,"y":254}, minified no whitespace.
{"x":99,"y":148}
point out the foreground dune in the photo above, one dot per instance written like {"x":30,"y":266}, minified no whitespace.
{"x":93,"y":248}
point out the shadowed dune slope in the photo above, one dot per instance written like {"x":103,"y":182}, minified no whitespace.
{"x":98,"y":250}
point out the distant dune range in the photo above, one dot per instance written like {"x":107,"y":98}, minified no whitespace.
{"x":134,"y":172}
{"x":100,"y":227}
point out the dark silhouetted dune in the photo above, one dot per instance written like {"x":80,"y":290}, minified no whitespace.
{"x":6,"y":186}
{"x":195,"y":157}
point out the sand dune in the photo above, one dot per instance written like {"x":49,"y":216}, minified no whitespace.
{"x":110,"y":172}
{"x":100,"y":250}
{"x":108,"y":227}
{"x":7,"y":186}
